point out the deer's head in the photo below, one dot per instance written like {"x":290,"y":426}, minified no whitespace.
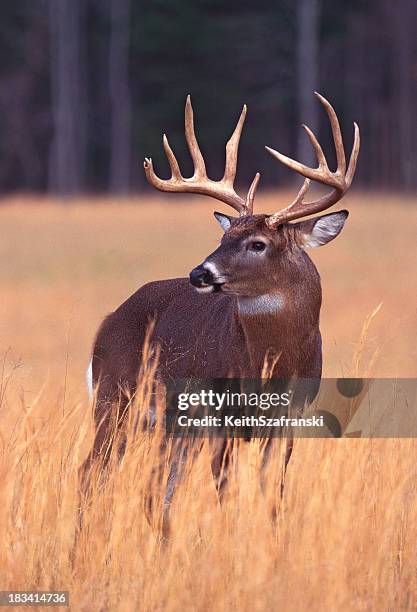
{"x":253,"y":258}
{"x":258,"y":252}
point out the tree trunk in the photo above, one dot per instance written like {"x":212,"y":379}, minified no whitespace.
{"x":120,"y":142}
{"x":405,"y":17}
{"x":308,"y":22}
{"x":67,"y":154}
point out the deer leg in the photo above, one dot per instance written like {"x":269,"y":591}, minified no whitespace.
{"x":221,"y":457}
{"x":177,"y":464}
{"x":266,"y":456}
{"x":109,"y":415}
{"x":220,"y":463}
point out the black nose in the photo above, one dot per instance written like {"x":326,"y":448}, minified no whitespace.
{"x":200,"y":277}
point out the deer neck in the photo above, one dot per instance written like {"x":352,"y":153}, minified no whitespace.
{"x":277,"y":325}
{"x":261,"y":306}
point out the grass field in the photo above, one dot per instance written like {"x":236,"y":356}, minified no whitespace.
{"x":346,"y":532}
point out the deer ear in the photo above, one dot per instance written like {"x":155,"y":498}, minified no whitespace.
{"x":224,"y":220}
{"x":321,"y":230}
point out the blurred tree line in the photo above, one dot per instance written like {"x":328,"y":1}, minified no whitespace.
{"x":88,"y":86}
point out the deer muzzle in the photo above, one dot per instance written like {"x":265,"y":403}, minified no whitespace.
{"x":203,"y":278}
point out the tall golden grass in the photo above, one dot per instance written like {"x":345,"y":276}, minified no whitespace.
{"x":344,"y":537}
{"x":345,"y":533}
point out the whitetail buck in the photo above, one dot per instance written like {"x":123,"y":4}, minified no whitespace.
{"x":257,"y":296}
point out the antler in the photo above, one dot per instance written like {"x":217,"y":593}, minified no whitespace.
{"x":200,"y":183}
{"x":339,"y":180}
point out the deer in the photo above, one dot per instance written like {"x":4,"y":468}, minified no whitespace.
{"x":257,"y":295}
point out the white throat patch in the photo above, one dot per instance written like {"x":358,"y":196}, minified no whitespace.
{"x":269,"y":303}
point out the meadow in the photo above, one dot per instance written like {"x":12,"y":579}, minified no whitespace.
{"x":346,"y":528}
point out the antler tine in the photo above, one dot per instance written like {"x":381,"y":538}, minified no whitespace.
{"x":293,"y":211}
{"x":173,"y":164}
{"x":251,"y":194}
{"x":340,"y":180}
{"x":299,"y":198}
{"x":198,"y":161}
{"x":354,"y":156}
{"x":232,"y":148}
{"x":337,"y":134}
{"x":199,"y":183}
{"x":317,"y":147}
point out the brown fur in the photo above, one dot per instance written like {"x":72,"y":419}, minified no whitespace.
{"x":209,"y":335}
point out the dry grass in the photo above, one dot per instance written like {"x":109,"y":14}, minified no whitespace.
{"x":346,"y":529}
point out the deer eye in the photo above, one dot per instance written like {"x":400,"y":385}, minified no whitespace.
{"x":257,"y":245}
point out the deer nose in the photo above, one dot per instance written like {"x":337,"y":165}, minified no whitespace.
{"x":201,"y":276}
